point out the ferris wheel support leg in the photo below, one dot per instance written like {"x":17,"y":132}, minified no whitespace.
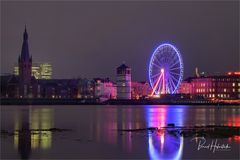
{"x":163,"y":89}
{"x":155,"y":87}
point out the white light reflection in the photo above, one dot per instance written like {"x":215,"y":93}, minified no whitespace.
{"x":155,"y":154}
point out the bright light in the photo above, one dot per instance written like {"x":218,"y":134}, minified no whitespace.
{"x":165,"y":69}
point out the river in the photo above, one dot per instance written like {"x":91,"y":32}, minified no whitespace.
{"x":94,"y":132}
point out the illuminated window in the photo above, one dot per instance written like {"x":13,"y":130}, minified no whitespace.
{"x":123,"y":84}
{"x":233,"y":89}
{"x":238,"y":84}
{"x":213,"y":95}
{"x":233,"y":84}
{"x":210,"y":95}
{"x":225,"y":90}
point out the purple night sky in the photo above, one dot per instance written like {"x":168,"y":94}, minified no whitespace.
{"x":90,"y":39}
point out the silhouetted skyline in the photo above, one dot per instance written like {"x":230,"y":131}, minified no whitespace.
{"x":90,"y":39}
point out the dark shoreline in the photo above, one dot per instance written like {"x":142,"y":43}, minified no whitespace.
{"x":38,"y":101}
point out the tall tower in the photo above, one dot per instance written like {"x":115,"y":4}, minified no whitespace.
{"x":25,"y":67}
{"x":124,"y":82}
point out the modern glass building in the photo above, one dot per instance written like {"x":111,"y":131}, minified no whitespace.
{"x":39,"y":70}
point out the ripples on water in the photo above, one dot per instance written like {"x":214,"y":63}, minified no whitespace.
{"x":95,"y":131}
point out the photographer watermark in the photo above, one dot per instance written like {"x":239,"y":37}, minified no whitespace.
{"x":213,"y":145}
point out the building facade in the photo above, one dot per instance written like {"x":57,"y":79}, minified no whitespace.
{"x":124,"y":82}
{"x":85,"y":88}
{"x":39,"y":70}
{"x":140,"y":90}
{"x":58,"y":88}
{"x":213,"y":87}
{"x":105,"y":89}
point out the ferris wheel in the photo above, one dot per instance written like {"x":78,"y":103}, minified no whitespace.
{"x":165,"y":70}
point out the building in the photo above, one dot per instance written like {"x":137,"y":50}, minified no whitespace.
{"x":85,"y":88}
{"x":105,"y":89}
{"x":9,"y":86}
{"x":185,"y":87}
{"x":26,"y":80}
{"x":23,"y":85}
{"x":140,"y":90}
{"x":213,"y":87}
{"x":39,"y":70}
{"x":57,"y":88}
{"x":124,"y":82}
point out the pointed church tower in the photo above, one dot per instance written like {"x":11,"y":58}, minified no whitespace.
{"x":25,"y":67}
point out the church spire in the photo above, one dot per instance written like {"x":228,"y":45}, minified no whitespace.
{"x":25,"y":51}
{"x":25,"y":35}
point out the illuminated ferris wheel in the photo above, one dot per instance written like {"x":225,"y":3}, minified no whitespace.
{"x":165,"y":70}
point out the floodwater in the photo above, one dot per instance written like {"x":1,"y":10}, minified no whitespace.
{"x":93,"y":132}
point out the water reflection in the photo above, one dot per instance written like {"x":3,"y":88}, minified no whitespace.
{"x":162,"y":145}
{"x":160,"y":116}
{"x":156,"y":117}
{"x":22,"y":136}
{"x":41,"y":119}
{"x":110,"y":119}
{"x":97,"y":128}
{"x":165,"y":147}
{"x":30,"y":130}
{"x":106,"y":123}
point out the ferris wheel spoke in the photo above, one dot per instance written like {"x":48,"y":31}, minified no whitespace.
{"x":167,"y":87}
{"x":155,"y":75}
{"x":156,"y":65}
{"x":170,"y":88}
{"x":175,"y":73}
{"x":156,"y":58}
{"x":170,"y":85}
{"x":174,"y":78}
{"x":173,"y":64}
{"x":174,"y":68}
{"x":173,"y":85}
{"x":154,"y":81}
{"x":174,"y":58}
